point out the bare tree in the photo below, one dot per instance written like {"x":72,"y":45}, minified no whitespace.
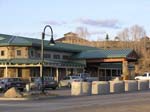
{"x":83,"y":32}
{"x":123,"y":37}
{"x":137,"y":32}
{"x":136,"y":38}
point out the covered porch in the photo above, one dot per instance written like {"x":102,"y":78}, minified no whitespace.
{"x":27,"y":68}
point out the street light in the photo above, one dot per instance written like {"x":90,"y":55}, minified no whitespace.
{"x":51,"y":42}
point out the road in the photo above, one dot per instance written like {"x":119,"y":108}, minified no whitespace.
{"x":125,"y":102}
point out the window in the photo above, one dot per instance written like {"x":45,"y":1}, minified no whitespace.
{"x":65,"y":57}
{"x":38,"y":55}
{"x":1,"y":72}
{"x":2,"y":53}
{"x":56,"y":56}
{"x":47,"y":55}
{"x":144,"y":74}
{"x":66,"y":78}
{"x":32,"y":53}
{"x":18,"y":52}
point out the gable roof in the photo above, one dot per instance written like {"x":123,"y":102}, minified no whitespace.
{"x":108,"y":53}
{"x":10,"y":40}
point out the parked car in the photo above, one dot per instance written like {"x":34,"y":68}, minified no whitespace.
{"x":13,"y":82}
{"x":32,"y":83}
{"x":49,"y":82}
{"x":145,"y":76}
{"x":87,"y":77}
{"x":2,"y":85}
{"x":67,"y":80}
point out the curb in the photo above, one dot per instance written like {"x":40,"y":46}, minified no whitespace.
{"x":26,"y":99}
{"x":13,"y":99}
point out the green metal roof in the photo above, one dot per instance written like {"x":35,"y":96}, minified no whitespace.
{"x":13,"y":40}
{"x":113,"y":53}
{"x":10,"y":40}
{"x":84,"y":52}
{"x":19,"y":61}
{"x":37,"y":61}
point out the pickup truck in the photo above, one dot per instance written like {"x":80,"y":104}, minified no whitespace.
{"x":145,"y":76}
{"x":87,"y":77}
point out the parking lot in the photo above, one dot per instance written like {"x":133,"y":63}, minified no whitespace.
{"x":131,"y":102}
{"x":60,"y":91}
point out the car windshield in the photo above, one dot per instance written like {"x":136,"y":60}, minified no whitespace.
{"x":75,"y":77}
{"x":83,"y":75}
{"x":45,"y":79}
{"x":15,"y":79}
{"x":144,"y":75}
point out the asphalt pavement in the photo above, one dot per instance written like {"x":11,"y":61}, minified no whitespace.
{"x":125,"y":102}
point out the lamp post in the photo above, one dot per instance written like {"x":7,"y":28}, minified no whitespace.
{"x":51,"y":42}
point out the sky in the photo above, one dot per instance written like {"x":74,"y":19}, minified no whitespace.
{"x":100,"y":17}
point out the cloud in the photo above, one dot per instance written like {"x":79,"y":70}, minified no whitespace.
{"x":109,"y":23}
{"x":52,"y":22}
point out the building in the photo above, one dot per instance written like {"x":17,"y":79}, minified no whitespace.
{"x":109,"y":63}
{"x":73,"y":38}
{"x":20,"y":57}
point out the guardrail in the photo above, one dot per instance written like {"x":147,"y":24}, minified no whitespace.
{"x":107,"y":87}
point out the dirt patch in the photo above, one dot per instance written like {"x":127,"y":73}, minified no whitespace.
{"x":13,"y":93}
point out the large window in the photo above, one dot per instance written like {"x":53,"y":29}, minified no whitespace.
{"x":2,"y":53}
{"x":32,"y":53}
{"x":47,"y":55}
{"x":18,"y":52}
{"x":56,"y":56}
{"x":65,"y":57}
{"x":1,"y":72}
{"x":34,"y":72}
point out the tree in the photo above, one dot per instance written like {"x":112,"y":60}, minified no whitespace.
{"x":83,"y":32}
{"x":133,"y":33}
{"x":107,"y":37}
{"x":137,"y":32}
{"x":124,"y":35}
{"x":136,"y":38}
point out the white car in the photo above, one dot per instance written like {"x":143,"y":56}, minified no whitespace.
{"x":145,"y":76}
{"x":87,"y":77}
{"x":67,"y":80}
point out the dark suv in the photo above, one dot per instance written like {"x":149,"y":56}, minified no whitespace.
{"x":13,"y":82}
{"x":49,"y":82}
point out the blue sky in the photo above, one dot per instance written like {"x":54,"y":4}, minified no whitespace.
{"x":28,"y":17}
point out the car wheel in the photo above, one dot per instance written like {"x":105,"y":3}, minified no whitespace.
{"x":53,"y":88}
{"x":21,"y":89}
{"x":6,"y":88}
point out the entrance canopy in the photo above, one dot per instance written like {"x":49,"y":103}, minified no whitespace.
{"x":128,"y":54}
{"x":110,"y":65}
